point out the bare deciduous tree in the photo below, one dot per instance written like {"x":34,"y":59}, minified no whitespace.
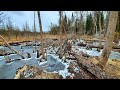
{"x":9,"y":28}
{"x":99,"y":31}
{"x":34,"y":32}
{"x":81,"y":23}
{"x":106,"y":23}
{"x":41,"y":33}
{"x":2,"y":17}
{"x":109,"y":38}
{"x":61,"y":19}
{"x":95,"y":22}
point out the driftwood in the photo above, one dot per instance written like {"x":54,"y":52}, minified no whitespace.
{"x":11,"y":47}
{"x":17,"y":76}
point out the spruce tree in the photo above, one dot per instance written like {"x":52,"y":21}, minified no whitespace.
{"x":89,"y":24}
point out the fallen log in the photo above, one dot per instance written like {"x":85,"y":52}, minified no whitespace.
{"x":94,"y":40}
{"x":92,"y":68}
{"x":11,"y":47}
{"x":92,"y":46}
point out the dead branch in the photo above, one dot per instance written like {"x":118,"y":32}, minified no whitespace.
{"x":11,"y":47}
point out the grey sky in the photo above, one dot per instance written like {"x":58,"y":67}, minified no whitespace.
{"x":19,"y":18}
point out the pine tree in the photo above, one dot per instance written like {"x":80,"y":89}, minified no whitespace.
{"x":89,"y":25}
{"x":65,"y":27}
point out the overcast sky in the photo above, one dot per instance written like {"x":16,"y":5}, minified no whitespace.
{"x":19,"y":18}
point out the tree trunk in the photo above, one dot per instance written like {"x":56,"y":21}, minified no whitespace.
{"x":106,"y":25}
{"x":34,"y":32}
{"x":61,"y":18}
{"x":16,"y":37}
{"x":109,"y":38}
{"x":40,"y":25}
{"x":100,"y":28}
{"x":81,"y":23}
{"x":95,"y":25}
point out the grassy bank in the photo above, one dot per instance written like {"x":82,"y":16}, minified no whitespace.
{"x":112,"y":67}
{"x":13,"y":39}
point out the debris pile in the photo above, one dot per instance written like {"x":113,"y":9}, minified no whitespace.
{"x":32,"y":72}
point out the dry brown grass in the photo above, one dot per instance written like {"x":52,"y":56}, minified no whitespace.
{"x":112,"y":67}
{"x":30,"y":38}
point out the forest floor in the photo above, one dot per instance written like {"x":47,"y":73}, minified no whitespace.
{"x":112,"y":67}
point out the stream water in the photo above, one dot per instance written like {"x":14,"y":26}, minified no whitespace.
{"x":94,"y":52}
{"x":7,"y":71}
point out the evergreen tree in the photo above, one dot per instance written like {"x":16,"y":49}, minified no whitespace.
{"x":89,"y":24}
{"x":54,"y":29}
{"x":65,"y":27}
